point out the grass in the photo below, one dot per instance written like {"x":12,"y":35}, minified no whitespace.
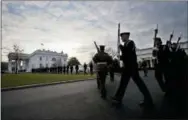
{"x":12,"y":80}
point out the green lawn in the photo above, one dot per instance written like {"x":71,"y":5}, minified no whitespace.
{"x":12,"y":80}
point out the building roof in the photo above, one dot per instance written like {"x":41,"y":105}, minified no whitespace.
{"x":14,"y":55}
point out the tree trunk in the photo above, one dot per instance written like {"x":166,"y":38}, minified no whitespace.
{"x":16,"y":70}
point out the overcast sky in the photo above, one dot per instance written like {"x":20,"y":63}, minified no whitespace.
{"x":73,"y":26}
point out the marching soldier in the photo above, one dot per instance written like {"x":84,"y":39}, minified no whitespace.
{"x":71,"y":69}
{"x":162,"y":63}
{"x":91,"y":68}
{"x":64,"y":69}
{"x":85,"y":68}
{"x":177,"y":84}
{"x":130,"y":69}
{"x":76,"y":68}
{"x":144,"y":66}
{"x":102,"y":60}
{"x":67,"y":69}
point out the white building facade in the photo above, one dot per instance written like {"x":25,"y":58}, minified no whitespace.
{"x":146,"y":54}
{"x":38,"y":59}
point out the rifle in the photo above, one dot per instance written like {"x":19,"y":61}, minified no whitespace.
{"x":96,"y":46}
{"x":155,"y":35}
{"x":178,"y":45}
{"x":171,"y":36}
{"x":118,"y":42}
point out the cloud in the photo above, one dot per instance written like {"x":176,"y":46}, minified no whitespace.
{"x":72,"y":26}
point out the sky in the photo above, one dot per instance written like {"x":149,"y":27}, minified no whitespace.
{"x":72,"y":26}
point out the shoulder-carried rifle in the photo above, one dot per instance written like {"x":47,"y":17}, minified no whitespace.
{"x":178,"y":44}
{"x":155,"y":35}
{"x":118,"y":43}
{"x":171,"y":36}
{"x":96,"y":47}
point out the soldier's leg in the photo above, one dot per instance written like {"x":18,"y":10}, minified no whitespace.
{"x":125,"y":77}
{"x":142,"y":87}
{"x":159,"y":77}
{"x":98,"y":81}
{"x":145,"y":74}
{"x":102,"y":83}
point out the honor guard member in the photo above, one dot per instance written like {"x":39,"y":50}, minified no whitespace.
{"x":177,"y":84}
{"x":161,"y":63}
{"x":91,"y":68}
{"x":102,"y":60}
{"x":130,"y":69}
{"x":144,"y":66}
{"x":76,"y":68}
{"x":64,"y":69}
{"x":85,"y":68}
{"x":71,"y":69}
{"x":67,"y":69}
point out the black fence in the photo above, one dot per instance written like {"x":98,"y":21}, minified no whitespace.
{"x":48,"y":70}
{"x":60,"y":70}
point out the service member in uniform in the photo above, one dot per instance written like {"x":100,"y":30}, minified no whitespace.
{"x":102,"y":60}
{"x":67,"y":69}
{"x":76,"y":68}
{"x":144,"y":66}
{"x":91,"y":68}
{"x":71,"y":69}
{"x":64,"y":69}
{"x":85,"y":68}
{"x":161,"y":53}
{"x":130,"y":69}
{"x":177,"y":84}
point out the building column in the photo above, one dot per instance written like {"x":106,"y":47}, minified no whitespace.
{"x":10,"y":66}
{"x":151,"y":63}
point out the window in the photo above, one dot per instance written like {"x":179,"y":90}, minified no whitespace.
{"x":53,"y":59}
{"x":40,"y":65}
{"x":46,"y":65}
{"x":46,"y":58}
{"x":40,"y":58}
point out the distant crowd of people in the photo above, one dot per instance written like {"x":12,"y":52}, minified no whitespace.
{"x":70,"y":68}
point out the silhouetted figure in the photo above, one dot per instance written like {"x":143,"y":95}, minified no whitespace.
{"x":177,"y":85}
{"x":111,"y":71}
{"x":85,"y":68}
{"x":161,"y":53}
{"x":144,"y":66}
{"x":64,"y":69}
{"x":102,"y":60}
{"x":67,"y":69}
{"x":71,"y":69}
{"x":130,"y":69}
{"x":91,"y":68}
{"x":76,"y":68}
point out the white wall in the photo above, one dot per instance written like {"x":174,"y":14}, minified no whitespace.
{"x":34,"y":61}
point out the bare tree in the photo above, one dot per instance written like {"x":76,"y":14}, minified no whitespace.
{"x":111,"y":52}
{"x":18,"y":52}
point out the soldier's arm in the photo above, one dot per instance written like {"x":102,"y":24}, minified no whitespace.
{"x":95,"y":58}
{"x":131,"y":46}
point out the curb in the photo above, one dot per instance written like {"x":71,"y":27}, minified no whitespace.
{"x":42,"y":84}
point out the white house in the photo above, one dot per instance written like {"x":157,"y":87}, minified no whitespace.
{"x":37,"y":59}
{"x":146,"y":54}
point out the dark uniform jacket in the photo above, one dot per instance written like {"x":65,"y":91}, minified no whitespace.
{"x":162,"y":55}
{"x":102,"y":60}
{"x":129,"y":57}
